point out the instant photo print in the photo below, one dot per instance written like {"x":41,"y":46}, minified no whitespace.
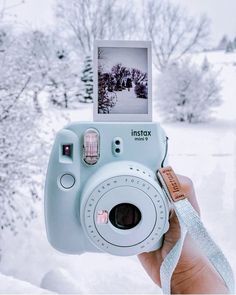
{"x":122,"y":81}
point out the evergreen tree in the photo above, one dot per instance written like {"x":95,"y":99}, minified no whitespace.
{"x":62,"y":79}
{"x":103,"y":100}
{"x":234,"y":43}
{"x":118,"y":86}
{"x":205,"y":64}
{"x":223,"y":43}
{"x":141,"y":90}
{"x":229,"y":47}
{"x":87,"y":79}
{"x":129,"y":84}
{"x":123,"y":84}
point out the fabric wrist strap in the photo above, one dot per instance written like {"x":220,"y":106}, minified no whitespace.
{"x":190,"y":222}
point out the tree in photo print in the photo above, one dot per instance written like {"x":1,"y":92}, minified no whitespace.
{"x":111,"y":83}
{"x":105,"y":84}
{"x":103,"y":106}
{"x":123,"y":84}
{"x":128,"y":83}
{"x":141,"y":90}
{"x":141,"y":82}
{"x":119,"y":73}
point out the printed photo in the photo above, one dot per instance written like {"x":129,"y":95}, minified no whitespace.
{"x":122,"y":81}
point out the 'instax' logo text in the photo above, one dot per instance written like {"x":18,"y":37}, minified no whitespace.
{"x":141,"y":135}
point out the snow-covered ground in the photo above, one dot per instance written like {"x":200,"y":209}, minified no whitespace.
{"x":10,"y":285}
{"x":128,"y":103}
{"x":204,"y":152}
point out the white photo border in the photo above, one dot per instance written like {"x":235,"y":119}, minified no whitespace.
{"x":98,"y":117}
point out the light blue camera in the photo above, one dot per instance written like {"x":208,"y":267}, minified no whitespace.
{"x":101,"y":192}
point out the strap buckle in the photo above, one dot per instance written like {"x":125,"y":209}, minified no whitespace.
{"x":170,"y":184}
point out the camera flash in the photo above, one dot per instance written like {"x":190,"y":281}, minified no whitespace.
{"x":102,"y":217}
{"x":91,"y":146}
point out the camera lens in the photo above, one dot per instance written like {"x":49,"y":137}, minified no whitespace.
{"x":125,"y":216}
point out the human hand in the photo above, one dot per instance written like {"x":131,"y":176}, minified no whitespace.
{"x":193,"y":273}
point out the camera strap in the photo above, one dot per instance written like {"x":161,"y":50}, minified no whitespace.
{"x":190,"y":222}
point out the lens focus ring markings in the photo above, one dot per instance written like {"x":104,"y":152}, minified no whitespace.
{"x":137,"y":182}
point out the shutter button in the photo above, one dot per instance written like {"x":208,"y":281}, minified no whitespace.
{"x":67,"y":181}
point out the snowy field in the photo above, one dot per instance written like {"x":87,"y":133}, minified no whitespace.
{"x":128,"y":103}
{"x":204,"y":152}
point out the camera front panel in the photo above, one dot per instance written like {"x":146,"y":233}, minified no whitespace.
{"x":68,"y":176}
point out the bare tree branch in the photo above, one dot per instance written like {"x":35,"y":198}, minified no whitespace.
{"x":5,"y":112}
{"x":172,"y":32}
{"x":91,"y":19}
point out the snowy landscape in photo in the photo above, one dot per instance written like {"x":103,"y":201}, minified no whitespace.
{"x":124,"y":71}
{"x":46,"y":82}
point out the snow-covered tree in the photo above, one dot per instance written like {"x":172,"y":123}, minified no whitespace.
{"x":33,"y":46}
{"x":63,"y":77}
{"x":20,"y":155}
{"x":141,"y":90}
{"x":25,"y":132}
{"x":28,"y":56}
{"x":223,"y":43}
{"x":123,"y":84}
{"x":229,"y":47}
{"x":205,"y":64}
{"x":187,"y":93}
{"x":59,"y":76}
{"x":19,"y":148}
{"x":104,"y":103}
{"x":129,"y":83}
{"x":50,"y":65}
{"x":86,"y":21}
{"x":234,"y":43}
{"x":119,"y":72}
{"x":23,"y":72}
{"x":87,"y":79}
{"x":173,"y":32}
{"x":138,"y":76}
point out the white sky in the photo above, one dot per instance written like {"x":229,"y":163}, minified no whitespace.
{"x":128,"y":57}
{"x":222,"y":13}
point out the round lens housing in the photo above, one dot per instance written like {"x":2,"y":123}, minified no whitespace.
{"x":125,"y":216}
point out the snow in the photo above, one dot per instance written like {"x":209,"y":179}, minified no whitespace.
{"x":60,"y":281}
{"x":128,"y":103}
{"x":10,"y":285}
{"x":204,"y":152}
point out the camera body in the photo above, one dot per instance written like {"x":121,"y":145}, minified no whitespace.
{"x":101,"y":192}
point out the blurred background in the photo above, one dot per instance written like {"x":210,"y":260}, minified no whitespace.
{"x":46,"y":81}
